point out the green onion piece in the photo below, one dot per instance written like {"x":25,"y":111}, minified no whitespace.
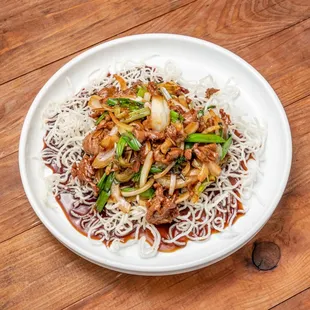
{"x":112,"y":102}
{"x":136,"y":176}
{"x":120,"y":146}
{"x":211,"y":107}
{"x":141,"y":91}
{"x":155,"y":169}
{"x":137,"y":114}
{"x":108,"y":182}
{"x":102,"y":200}
{"x":128,"y":189}
{"x":188,"y":145}
{"x":200,"y":113}
{"x":132,"y":141}
{"x":204,"y":138}
{"x":225,"y":147}
{"x":148,"y":194}
{"x":102,"y":116}
{"x":101,"y":182}
{"x":175,"y":117}
{"x":203,"y":186}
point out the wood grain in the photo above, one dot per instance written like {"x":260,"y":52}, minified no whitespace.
{"x":19,"y":93}
{"x":300,"y":301}
{"x":34,"y":264}
{"x":38,"y":37}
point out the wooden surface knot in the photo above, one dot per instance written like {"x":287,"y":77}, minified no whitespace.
{"x":266,"y":255}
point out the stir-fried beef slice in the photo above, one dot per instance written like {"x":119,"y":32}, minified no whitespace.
{"x":105,"y":124}
{"x":136,"y":162}
{"x":202,"y":125}
{"x":139,"y":134}
{"x":206,"y":153}
{"x":154,"y":135}
{"x":152,"y":88}
{"x":181,"y":91}
{"x":225,"y":117}
{"x":107,"y":92}
{"x":143,"y":153}
{"x":188,"y":154}
{"x":210,"y":92}
{"x":91,"y":143}
{"x":84,"y":170}
{"x":167,"y":159}
{"x":190,"y":116}
{"x":176,"y":133}
{"x":161,"y":209}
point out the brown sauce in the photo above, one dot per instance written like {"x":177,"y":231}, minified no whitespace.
{"x":66,"y":201}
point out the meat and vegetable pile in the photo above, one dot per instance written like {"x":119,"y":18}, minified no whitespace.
{"x":148,"y":141}
{"x":139,"y":150}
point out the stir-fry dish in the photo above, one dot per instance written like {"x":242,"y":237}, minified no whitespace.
{"x":138,"y":157}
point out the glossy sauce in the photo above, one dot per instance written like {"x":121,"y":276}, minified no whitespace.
{"x":66,"y":201}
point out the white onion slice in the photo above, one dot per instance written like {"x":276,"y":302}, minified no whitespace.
{"x":146,"y":168}
{"x":173,"y":180}
{"x":160,"y":114}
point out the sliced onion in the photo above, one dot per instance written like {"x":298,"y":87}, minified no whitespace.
{"x":108,"y":141}
{"x":173,"y":181}
{"x":175,"y":102}
{"x":121,"y":81}
{"x":186,"y":169}
{"x":204,"y":172}
{"x":180,"y":183}
{"x":140,"y":190}
{"x":214,"y":168}
{"x":113,"y":131}
{"x":211,"y":129}
{"x":146,"y":168}
{"x":182,"y":100}
{"x":194,"y":172}
{"x":119,"y":123}
{"x":94,"y":102}
{"x":147,"y":97}
{"x":182,"y":197}
{"x":103,"y":159}
{"x":160,"y":114}
{"x":122,"y":204}
{"x":166,"y":145}
{"x":163,"y":173}
{"x":147,"y":147}
{"x":165,"y":93}
{"x":182,"y":145}
{"x":125,"y":176}
{"x":196,"y":163}
{"x":191,"y":128}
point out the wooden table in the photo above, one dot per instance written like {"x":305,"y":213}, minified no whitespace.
{"x":37,"y":38}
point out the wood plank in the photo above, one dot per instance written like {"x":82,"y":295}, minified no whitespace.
{"x":300,"y":302}
{"x":32,"y":264}
{"x":34,"y":35}
{"x":20,"y":92}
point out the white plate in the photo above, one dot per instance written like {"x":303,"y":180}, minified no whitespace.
{"x":196,"y":58}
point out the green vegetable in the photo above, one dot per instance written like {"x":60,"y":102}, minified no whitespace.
{"x":155,"y":169}
{"x":137,"y":114}
{"x":132,"y":141}
{"x":108,"y":182}
{"x":200,"y":113}
{"x":188,"y":145}
{"x":136,"y":176}
{"x":204,"y":138}
{"x":101,"y":182}
{"x":225,"y":147}
{"x":102,"y":116}
{"x":175,"y":117}
{"x":102,"y":200}
{"x":128,"y":189}
{"x":203,"y":186}
{"x":180,"y":160}
{"x":148,"y":194}
{"x":211,"y":107}
{"x":141,"y":91}
{"x":120,"y":146}
{"x":125,"y":103}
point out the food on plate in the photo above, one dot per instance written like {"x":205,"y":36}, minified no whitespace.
{"x":139,"y":156}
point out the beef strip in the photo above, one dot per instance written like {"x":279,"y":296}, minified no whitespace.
{"x":84,"y":171}
{"x":210,"y":92}
{"x":161,"y":209}
{"x":206,"y":152}
{"x":225,"y":117}
{"x":152,"y":88}
{"x":167,"y":159}
{"x":91,"y":143}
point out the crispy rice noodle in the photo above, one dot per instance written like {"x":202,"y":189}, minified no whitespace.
{"x":68,"y":123}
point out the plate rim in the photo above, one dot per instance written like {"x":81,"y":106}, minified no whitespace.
{"x":154,"y":270}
